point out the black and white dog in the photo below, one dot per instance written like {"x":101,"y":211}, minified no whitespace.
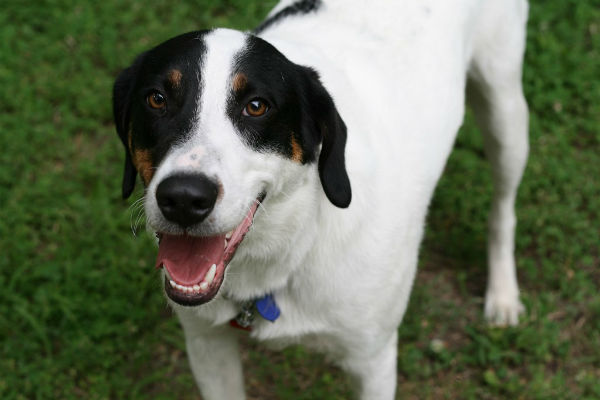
{"x":288,"y":171}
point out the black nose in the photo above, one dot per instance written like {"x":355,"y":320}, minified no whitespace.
{"x":186,"y":199}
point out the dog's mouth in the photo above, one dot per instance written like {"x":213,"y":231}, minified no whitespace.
{"x":195,"y":266}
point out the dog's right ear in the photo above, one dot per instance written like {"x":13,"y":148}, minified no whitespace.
{"x":122,"y":93}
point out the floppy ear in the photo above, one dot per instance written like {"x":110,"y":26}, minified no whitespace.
{"x":329,"y":129}
{"x":122,"y":109}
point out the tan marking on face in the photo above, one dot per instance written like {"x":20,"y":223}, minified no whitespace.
{"x":175,"y":77}
{"x":143,"y":163}
{"x":297,"y":154}
{"x":239,"y":82}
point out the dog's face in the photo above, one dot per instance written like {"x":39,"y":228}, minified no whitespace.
{"x":215,"y":122}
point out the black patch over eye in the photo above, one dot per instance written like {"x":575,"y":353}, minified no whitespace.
{"x":256,"y":108}
{"x":156,"y":100}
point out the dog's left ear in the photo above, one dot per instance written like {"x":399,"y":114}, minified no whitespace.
{"x":122,"y":92}
{"x":326,"y":126}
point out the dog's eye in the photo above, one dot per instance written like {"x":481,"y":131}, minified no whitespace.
{"x":156,"y":100}
{"x":255,"y":108}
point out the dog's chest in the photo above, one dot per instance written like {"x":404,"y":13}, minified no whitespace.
{"x":298,"y":325}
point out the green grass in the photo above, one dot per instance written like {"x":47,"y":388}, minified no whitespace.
{"x":81,"y":310}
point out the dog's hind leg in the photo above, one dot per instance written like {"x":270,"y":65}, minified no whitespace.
{"x":496,"y":96}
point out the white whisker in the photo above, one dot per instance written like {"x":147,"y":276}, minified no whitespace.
{"x":262,"y":207}
{"x":136,"y":212}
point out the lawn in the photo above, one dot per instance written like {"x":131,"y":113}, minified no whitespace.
{"x":82,"y":315}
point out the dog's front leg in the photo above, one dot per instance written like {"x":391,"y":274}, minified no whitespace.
{"x":214,"y":356}
{"x":374,"y":367}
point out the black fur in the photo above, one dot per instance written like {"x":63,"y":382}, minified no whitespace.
{"x":301,"y":111}
{"x":156,"y":130}
{"x":282,"y":84}
{"x":122,"y":109}
{"x":300,"y":106}
{"x":332,"y":163}
{"x":299,"y":7}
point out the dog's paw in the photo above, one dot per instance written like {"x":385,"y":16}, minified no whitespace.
{"x":502,"y":309}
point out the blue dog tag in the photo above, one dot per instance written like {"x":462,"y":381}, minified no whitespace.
{"x":267,"y":308}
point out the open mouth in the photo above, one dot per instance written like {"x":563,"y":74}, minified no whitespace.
{"x":195,"y":266}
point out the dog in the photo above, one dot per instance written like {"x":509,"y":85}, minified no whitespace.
{"x":288,"y":171}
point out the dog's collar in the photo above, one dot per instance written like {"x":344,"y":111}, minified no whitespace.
{"x":265,"y":306}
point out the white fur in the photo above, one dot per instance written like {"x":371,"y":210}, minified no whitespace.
{"x":397,"y":71}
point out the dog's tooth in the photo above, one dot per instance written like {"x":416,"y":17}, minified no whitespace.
{"x":210,"y":275}
{"x":172,"y":282}
{"x":203,"y":286}
{"x":228,"y":235}
{"x":225,"y":243}
{"x":196,"y":288}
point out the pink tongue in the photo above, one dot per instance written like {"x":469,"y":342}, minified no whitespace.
{"x":187,"y":258}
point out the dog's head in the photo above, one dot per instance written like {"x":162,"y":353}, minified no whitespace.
{"x":213,"y":122}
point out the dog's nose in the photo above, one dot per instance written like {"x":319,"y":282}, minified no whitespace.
{"x":186,"y":199}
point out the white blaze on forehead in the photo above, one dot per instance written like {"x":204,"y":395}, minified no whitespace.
{"x":222,"y":45}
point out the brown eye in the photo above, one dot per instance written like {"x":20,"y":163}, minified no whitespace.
{"x":156,"y":100}
{"x":255,"y":108}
